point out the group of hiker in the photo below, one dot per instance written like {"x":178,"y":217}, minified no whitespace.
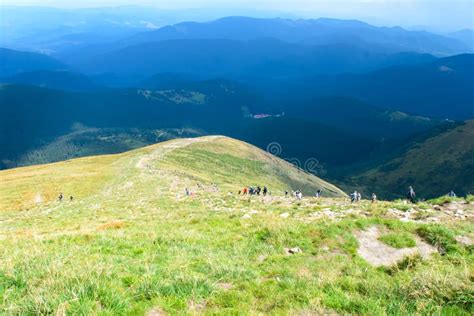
{"x":411,"y":196}
{"x":254,"y":191}
{"x":61,"y":197}
{"x":355,"y":196}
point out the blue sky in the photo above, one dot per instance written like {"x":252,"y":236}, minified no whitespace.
{"x":431,"y":14}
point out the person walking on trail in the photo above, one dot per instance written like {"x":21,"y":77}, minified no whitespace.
{"x":265,"y":190}
{"x":318,"y":193}
{"x":452,"y":194}
{"x":245,"y":191}
{"x":186,"y":192}
{"x":60,"y":197}
{"x":359,"y":197}
{"x":411,"y":195}
{"x":374,"y":198}
{"x":354,"y":196}
{"x":71,"y":198}
{"x":299,"y":195}
{"x":259,"y":189}
{"x":286,"y":193}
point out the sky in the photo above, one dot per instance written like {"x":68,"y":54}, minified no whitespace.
{"x":438,"y":15}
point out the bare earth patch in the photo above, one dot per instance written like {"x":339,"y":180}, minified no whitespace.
{"x":377,"y":253}
{"x":464,"y":240}
{"x":112,"y":225}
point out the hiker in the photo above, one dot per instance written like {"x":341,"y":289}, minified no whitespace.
{"x":359,"y":197}
{"x":186,"y":192}
{"x":318,"y":193}
{"x":240,"y":192}
{"x":354,"y":196}
{"x":60,"y":197}
{"x":251,"y":191}
{"x":71,"y":198}
{"x":411,"y":195}
{"x":298,"y":194}
{"x":374,"y":198}
{"x":286,"y":193}
{"x":259,"y":189}
{"x":452,"y":194}
{"x":265,"y":190}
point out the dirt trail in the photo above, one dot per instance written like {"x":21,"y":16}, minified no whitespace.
{"x":159,"y":153}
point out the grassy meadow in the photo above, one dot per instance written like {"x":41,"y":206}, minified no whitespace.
{"x":132,"y":243}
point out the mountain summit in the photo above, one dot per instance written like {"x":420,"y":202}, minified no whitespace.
{"x":166,"y":169}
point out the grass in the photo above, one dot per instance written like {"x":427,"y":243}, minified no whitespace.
{"x":132,"y":242}
{"x":439,"y":236}
{"x":398,"y":240}
{"x":446,"y":199}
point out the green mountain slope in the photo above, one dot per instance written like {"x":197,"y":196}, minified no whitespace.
{"x":132,"y":243}
{"x":434,"y":165}
{"x":218,"y":160}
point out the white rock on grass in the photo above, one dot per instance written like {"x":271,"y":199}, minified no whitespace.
{"x":293,"y":251}
{"x":246,"y":216}
{"x":285,"y":215}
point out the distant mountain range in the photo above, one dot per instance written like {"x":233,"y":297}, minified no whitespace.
{"x":466,"y":36}
{"x":268,"y":57}
{"x":330,"y":127}
{"x":352,"y":96}
{"x":321,"y":31}
{"x":13,"y":62}
{"x":60,"y":80}
{"x":443,"y":88}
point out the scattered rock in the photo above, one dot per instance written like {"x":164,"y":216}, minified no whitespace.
{"x":262,"y":258}
{"x":38,"y":198}
{"x":293,"y":251}
{"x":246,"y":216}
{"x":253,"y":212}
{"x":285,"y":215}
